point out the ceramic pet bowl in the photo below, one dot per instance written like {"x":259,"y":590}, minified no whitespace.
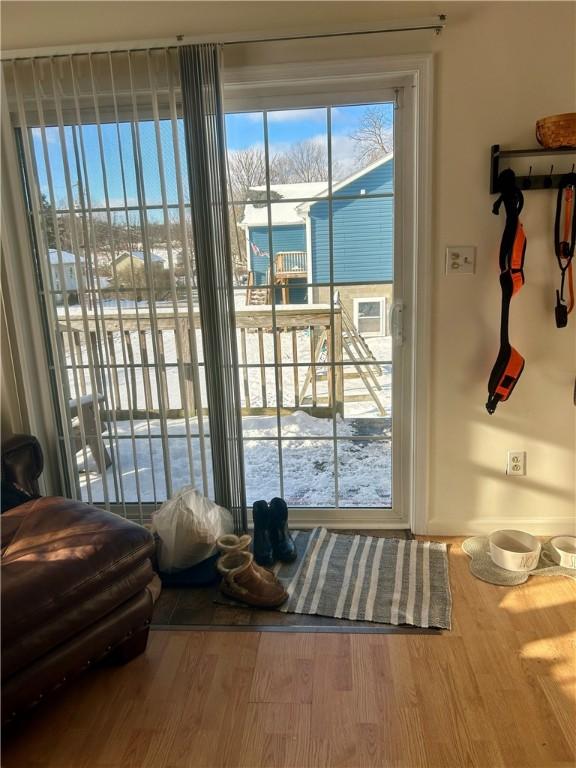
{"x":564,"y":550}
{"x":515,"y":550}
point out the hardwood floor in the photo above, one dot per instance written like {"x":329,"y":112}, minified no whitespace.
{"x":498,"y":690}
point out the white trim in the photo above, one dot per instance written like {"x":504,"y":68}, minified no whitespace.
{"x":309,"y":290}
{"x":537,"y":526}
{"x":421,"y":360}
{"x":359,"y":81}
{"x":356,"y":300}
{"x":248,"y":249}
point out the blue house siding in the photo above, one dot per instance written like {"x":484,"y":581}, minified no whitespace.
{"x":363,"y":240}
{"x":378,"y":181}
{"x":363,"y":230}
{"x":284,"y":238}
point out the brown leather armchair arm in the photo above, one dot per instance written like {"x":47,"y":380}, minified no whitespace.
{"x":22,"y":463}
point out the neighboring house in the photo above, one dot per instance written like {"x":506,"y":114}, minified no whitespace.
{"x":136,"y":272}
{"x":135,"y":262}
{"x":362,"y":240}
{"x":65,"y":267}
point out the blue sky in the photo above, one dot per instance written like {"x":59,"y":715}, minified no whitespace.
{"x":289,"y":126}
{"x":244,"y":130}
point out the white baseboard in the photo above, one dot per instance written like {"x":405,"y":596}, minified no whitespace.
{"x":540,"y":526}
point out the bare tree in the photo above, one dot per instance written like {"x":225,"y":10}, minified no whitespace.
{"x":374,"y":135}
{"x":247,"y":169}
{"x":304,"y":161}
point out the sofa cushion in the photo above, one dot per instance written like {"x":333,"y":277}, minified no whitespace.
{"x":61,"y":553}
{"x":47,"y":635}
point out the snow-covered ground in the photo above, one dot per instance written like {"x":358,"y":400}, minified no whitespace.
{"x":364,"y":466}
{"x":304,"y":455}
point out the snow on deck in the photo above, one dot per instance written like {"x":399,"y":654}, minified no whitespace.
{"x":364,"y":466}
{"x":307,"y":449}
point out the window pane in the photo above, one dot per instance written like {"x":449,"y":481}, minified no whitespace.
{"x":364,"y":473}
{"x":362,"y":144}
{"x":308,"y":467}
{"x":262,"y":470}
{"x":298,"y":151}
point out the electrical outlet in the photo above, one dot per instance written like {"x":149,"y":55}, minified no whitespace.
{"x":516,"y":463}
{"x":460,"y":259}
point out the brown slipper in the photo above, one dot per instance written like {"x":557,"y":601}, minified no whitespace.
{"x":232,"y":543}
{"x":244,"y":582}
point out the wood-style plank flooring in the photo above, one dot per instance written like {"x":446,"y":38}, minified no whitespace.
{"x":498,"y":690}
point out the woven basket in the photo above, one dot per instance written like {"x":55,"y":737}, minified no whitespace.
{"x":557,"y":131}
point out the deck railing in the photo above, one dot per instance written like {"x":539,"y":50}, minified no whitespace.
{"x":143,"y":364}
{"x":291,"y":261}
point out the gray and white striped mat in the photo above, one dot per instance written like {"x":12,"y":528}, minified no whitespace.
{"x":366,"y":578}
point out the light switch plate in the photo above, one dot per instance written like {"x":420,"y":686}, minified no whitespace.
{"x":460,"y":259}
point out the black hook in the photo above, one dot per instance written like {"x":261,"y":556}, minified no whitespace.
{"x":548,"y":179}
{"x":527,"y":183}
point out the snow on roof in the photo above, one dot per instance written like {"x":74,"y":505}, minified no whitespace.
{"x":292,"y":212}
{"x":282,"y":213}
{"x":64,"y":257}
{"x":303,"y":208}
{"x":141,"y":257}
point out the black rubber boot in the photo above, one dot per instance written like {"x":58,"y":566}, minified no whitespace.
{"x":262,"y":545}
{"x":282,"y":542}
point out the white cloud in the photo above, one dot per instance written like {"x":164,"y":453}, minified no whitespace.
{"x":291,"y":116}
{"x":52,"y":135}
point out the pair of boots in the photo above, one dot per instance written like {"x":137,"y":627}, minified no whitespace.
{"x":243,"y":579}
{"x":272,"y":539}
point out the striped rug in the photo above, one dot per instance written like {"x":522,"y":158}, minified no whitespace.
{"x":366,"y":578}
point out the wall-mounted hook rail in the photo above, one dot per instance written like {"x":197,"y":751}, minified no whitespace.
{"x":550,"y":180}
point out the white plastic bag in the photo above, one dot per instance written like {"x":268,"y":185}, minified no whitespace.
{"x":188,"y":525}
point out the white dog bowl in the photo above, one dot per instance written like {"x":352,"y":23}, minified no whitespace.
{"x":515,"y":550}
{"x":564,"y":550}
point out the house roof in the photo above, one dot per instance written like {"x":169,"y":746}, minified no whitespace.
{"x":141,"y":257}
{"x":282,"y":213}
{"x":304,"y":207}
{"x":64,"y":257}
{"x":291,"y":211}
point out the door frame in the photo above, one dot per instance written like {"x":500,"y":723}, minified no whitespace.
{"x":256,"y":87}
{"x":414,"y":71}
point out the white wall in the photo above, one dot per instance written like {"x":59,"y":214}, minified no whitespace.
{"x":499,"y":66}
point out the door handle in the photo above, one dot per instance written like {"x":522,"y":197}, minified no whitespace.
{"x":397,"y":322}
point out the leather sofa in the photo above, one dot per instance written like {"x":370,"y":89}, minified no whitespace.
{"x":74,"y":585}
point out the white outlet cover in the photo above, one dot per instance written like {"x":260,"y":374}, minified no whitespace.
{"x":516,"y":464}
{"x":460,"y":259}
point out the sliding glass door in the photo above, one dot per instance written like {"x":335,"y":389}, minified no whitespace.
{"x":317,"y":191}
{"x":104,"y":164}
{"x":313,"y":213}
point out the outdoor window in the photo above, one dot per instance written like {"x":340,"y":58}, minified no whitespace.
{"x":370,"y":316}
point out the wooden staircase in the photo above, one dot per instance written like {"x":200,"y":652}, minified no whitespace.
{"x":255,"y":294}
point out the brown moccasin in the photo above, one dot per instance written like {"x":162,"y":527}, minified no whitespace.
{"x":232,"y":543}
{"x":242,"y":580}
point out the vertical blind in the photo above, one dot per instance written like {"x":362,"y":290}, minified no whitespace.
{"x":205,"y":139}
{"x":103,"y":153}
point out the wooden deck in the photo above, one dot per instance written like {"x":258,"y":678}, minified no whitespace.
{"x":118,"y":343}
